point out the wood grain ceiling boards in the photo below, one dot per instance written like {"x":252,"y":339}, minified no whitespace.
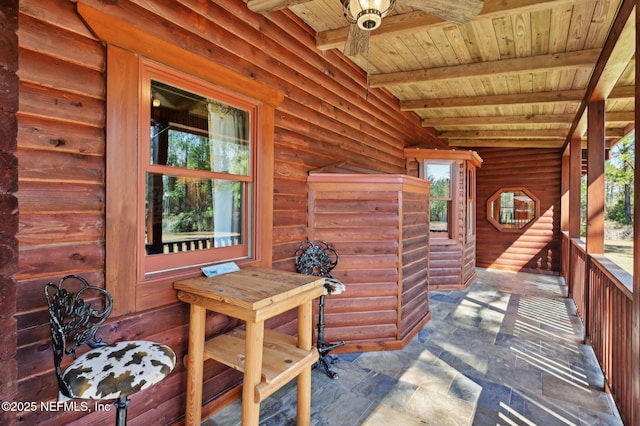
{"x":518,"y":75}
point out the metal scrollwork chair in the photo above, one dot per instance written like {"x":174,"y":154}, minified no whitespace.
{"x":106,"y":371}
{"x":318,"y":258}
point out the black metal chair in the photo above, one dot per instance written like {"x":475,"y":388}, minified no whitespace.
{"x":105,"y":372}
{"x":318,"y":258}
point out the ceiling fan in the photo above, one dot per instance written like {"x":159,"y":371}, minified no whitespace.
{"x":365,"y":16}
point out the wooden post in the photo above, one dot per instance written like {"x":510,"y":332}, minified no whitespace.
{"x":635,"y":318}
{"x":252,"y":372}
{"x":564,"y":190}
{"x":573,"y":208}
{"x":195,"y":364}
{"x":575,"y":164}
{"x":595,"y":195}
{"x":595,"y":178}
{"x":305,"y":312}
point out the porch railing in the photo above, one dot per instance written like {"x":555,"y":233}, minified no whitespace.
{"x":192,"y":244}
{"x":603,"y":296}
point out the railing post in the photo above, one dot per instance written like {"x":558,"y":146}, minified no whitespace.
{"x":587,"y":300}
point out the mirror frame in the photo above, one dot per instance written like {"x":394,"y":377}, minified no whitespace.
{"x":496,"y":195}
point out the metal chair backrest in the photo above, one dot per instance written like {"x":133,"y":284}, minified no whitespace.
{"x":316,"y":258}
{"x":74,"y":321}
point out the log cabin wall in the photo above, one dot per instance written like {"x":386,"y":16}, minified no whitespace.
{"x":8,"y":203}
{"x":324,"y":118}
{"x":536,"y":248}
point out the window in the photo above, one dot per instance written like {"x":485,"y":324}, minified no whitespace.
{"x":197,"y":171}
{"x":512,"y":209}
{"x":151,"y":175}
{"x":440,"y":176}
{"x":471,"y":207}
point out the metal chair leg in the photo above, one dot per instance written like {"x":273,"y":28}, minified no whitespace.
{"x":121,"y":413}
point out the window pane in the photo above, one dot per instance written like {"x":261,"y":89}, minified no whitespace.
{"x":186,"y":213}
{"x":439,"y":217}
{"x":440,"y":177}
{"x":194,"y":132}
{"x":511,"y":209}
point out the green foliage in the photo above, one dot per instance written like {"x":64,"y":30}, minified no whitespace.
{"x":619,"y":178}
{"x":617,"y":213}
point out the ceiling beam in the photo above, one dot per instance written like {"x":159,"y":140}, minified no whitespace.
{"x":621,"y":92}
{"x":505,"y":67}
{"x":515,"y":120}
{"x":561,"y":96}
{"x":504,"y":134}
{"x":396,"y":25}
{"x":507,"y":120}
{"x":494,"y":100}
{"x":265,"y":6}
{"x":555,"y":134}
{"x":507,"y":143}
{"x":620,"y":117}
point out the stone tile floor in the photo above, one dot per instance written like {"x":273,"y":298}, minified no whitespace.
{"x":507,"y":351}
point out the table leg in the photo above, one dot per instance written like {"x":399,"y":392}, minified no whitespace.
{"x":195,"y":365}
{"x":305,"y":321}
{"x":252,"y":372}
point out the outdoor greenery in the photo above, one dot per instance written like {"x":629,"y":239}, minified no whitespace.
{"x":619,"y":189}
{"x":440,"y":177}
{"x":619,"y":175}
{"x":619,"y":181}
{"x":188,"y":203}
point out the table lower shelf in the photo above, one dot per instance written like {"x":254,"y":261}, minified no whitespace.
{"x":282,"y":360}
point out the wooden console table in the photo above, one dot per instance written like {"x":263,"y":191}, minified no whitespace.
{"x":269,"y":359}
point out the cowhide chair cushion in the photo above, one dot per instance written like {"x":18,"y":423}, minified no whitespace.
{"x":333,"y":286}
{"x":118,"y":370}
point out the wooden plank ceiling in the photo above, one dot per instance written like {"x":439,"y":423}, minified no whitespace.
{"x":517,"y":75}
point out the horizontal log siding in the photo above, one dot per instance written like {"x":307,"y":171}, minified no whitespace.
{"x":469,"y":261}
{"x":324,"y":119}
{"x":355,"y":220}
{"x":380,"y":231}
{"x":537,"y":248}
{"x":415,"y":254}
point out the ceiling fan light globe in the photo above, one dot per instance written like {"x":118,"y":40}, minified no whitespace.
{"x":368,"y":14}
{"x":369,"y":20}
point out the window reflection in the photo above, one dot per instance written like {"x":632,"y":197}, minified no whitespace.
{"x":197,"y":179}
{"x":512,"y":209}
{"x":439,"y":174}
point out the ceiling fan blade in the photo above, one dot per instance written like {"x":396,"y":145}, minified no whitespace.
{"x":357,"y":41}
{"x":457,"y":11}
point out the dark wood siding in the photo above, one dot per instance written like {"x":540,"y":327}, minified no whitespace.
{"x":537,"y":248}
{"x":324,"y":119}
{"x":9,"y":212}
